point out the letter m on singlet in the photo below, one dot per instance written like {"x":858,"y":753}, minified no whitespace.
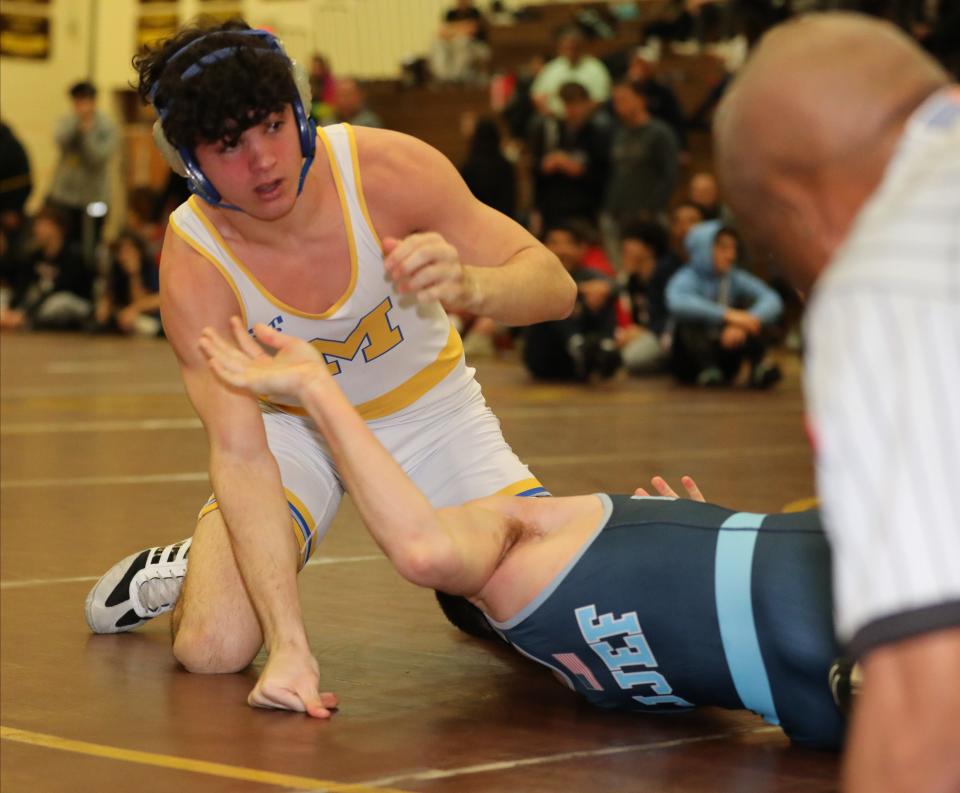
{"x":374,"y":335}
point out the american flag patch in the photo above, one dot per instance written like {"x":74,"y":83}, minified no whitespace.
{"x":577,"y":667}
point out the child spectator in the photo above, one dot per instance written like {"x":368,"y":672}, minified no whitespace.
{"x":582,"y":344}
{"x":52,"y":287}
{"x":645,"y":341}
{"x":130,"y":302}
{"x":722,"y":313}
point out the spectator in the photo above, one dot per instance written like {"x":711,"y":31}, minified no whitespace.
{"x":460,"y":51}
{"x":15,"y":179}
{"x":582,"y":344}
{"x":520,"y":110}
{"x":349,"y":105}
{"x":645,"y":341}
{"x":144,"y":218}
{"x":81,"y":188}
{"x":130,"y":302}
{"x":683,"y":217}
{"x":322,"y":89}
{"x":661,"y":100}
{"x":488,"y":173}
{"x":15,"y":186}
{"x":571,"y":65}
{"x":644,"y":165}
{"x":721,"y":313}
{"x":704,"y":194}
{"x":569,"y":158}
{"x":53,"y":287}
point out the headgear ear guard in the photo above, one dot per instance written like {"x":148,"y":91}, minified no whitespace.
{"x":181,"y":159}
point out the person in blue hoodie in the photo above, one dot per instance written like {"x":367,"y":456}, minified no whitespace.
{"x":721,"y":312}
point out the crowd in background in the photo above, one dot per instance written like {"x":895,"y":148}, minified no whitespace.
{"x":665,"y":281}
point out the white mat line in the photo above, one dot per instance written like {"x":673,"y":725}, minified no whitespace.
{"x":507,"y":765}
{"x":320,"y":560}
{"x":85,"y":481}
{"x":88,"y":366}
{"x":536,"y":461}
{"x":131,"y":425}
{"x":651,"y":411}
{"x":99,"y":389}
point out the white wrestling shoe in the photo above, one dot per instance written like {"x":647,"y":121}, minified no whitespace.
{"x":137,"y":589}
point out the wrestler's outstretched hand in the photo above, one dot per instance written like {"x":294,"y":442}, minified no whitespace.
{"x":661,"y":486}
{"x":290,"y":681}
{"x":246,"y":365}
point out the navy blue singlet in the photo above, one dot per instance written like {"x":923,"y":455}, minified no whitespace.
{"x":676,"y":603}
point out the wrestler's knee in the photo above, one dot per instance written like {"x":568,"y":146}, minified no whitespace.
{"x":208,"y":648}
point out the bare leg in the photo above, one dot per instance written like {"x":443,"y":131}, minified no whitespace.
{"x":214,"y":626}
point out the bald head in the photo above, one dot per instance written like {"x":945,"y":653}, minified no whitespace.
{"x":807,"y":128}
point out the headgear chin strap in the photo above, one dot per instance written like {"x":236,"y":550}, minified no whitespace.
{"x":181,"y":159}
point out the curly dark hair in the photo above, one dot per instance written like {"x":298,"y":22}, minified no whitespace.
{"x":227,"y":97}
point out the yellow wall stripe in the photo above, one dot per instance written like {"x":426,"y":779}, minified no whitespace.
{"x":184,"y":763}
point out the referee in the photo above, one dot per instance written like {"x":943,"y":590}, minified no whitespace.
{"x":839,"y":150}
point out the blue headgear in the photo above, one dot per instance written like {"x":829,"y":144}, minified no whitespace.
{"x":181,"y":159}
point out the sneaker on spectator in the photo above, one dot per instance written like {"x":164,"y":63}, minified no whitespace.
{"x":711,"y":377}
{"x":609,"y":360}
{"x":764,"y":375}
{"x":138,"y":588}
{"x":478,"y":345}
{"x":581,"y":356}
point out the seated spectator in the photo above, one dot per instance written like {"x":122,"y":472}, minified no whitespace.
{"x":460,"y":51}
{"x":569,"y":156}
{"x":644,"y":165}
{"x":490,"y":176}
{"x":53,"y":286}
{"x":645,"y":341}
{"x":349,"y":105}
{"x":661,"y":100}
{"x":704,"y":194}
{"x":721,"y":313}
{"x":144,"y":218}
{"x":15,"y":186}
{"x":572,"y":65}
{"x":520,"y":111}
{"x":130,"y":302}
{"x":683,"y":217}
{"x":582,"y":344}
{"x":322,"y":89}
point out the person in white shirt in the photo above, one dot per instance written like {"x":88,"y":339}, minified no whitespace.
{"x":839,"y":152}
{"x":572,"y":65}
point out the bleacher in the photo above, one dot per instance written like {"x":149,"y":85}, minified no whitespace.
{"x":433,"y":114}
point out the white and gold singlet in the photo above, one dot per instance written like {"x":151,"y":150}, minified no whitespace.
{"x":399,"y":362}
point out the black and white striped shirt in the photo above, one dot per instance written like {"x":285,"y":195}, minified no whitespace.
{"x":883,"y":390}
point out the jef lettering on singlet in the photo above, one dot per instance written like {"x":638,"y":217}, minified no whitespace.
{"x":373,"y":334}
{"x":621,"y":645}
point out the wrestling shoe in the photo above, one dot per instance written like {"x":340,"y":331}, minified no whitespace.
{"x":137,"y":589}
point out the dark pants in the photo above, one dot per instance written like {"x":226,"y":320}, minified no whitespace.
{"x":546,"y":348}
{"x":82,"y":229}
{"x":697,"y":347}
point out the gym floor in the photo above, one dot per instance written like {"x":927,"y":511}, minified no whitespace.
{"x":102,"y":456}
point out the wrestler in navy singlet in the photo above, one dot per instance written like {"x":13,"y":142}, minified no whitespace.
{"x":676,"y":603}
